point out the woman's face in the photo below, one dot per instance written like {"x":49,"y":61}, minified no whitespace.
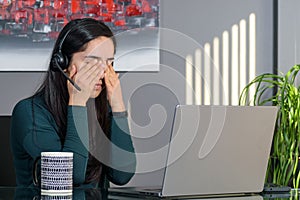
{"x":102,"y":49}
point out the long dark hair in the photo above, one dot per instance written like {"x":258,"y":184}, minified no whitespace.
{"x":75,"y":35}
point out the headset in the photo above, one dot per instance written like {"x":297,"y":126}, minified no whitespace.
{"x":60,"y":61}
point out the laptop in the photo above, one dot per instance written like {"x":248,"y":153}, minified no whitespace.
{"x":215,"y":150}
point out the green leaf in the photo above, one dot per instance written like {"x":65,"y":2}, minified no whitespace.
{"x":283,"y":162}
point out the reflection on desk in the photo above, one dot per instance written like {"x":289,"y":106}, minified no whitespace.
{"x":22,"y":193}
{"x":248,"y":197}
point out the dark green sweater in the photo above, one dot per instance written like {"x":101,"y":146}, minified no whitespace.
{"x":31,"y":137}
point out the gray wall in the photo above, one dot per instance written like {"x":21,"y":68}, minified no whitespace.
{"x":289,"y":37}
{"x":152,"y":96}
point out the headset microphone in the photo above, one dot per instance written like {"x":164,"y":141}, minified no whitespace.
{"x":71,"y":81}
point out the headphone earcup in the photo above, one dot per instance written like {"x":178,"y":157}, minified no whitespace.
{"x":59,"y":61}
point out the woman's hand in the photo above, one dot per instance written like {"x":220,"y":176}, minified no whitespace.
{"x":85,"y":77}
{"x":113,"y":89}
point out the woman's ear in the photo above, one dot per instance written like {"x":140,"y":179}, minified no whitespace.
{"x":72,"y":70}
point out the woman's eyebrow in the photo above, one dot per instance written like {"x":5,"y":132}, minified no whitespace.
{"x":97,"y":57}
{"x":90,"y":56}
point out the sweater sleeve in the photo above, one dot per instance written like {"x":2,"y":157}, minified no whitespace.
{"x":122,"y":156}
{"x":76,"y":141}
{"x":39,"y":134}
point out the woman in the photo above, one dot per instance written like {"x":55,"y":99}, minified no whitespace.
{"x":78,"y":107}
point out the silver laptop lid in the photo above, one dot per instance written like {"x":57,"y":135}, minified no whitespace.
{"x":219,"y":149}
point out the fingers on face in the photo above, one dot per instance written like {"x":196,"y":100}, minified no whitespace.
{"x":113,"y":73}
{"x":111,"y":76}
{"x":94,"y":74}
{"x":90,"y":72}
{"x":107,"y":82}
{"x":86,"y":66}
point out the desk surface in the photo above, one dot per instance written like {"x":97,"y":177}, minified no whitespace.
{"x":89,"y":194}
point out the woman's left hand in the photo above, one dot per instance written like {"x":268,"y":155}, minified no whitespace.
{"x":113,"y":89}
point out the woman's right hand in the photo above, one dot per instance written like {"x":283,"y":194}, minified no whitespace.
{"x":86,"y":76}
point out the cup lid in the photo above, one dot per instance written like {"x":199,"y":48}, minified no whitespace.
{"x":58,"y":154}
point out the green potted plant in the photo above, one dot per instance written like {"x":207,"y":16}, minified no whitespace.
{"x":282,"y":91}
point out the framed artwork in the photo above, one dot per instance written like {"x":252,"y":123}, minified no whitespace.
{"x":29,"y":28}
